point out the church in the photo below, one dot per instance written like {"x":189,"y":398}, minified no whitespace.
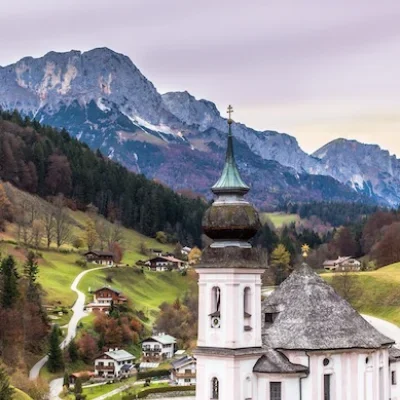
{"x":303,"y":342}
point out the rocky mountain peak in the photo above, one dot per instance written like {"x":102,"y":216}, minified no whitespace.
{"x":202,"y":113}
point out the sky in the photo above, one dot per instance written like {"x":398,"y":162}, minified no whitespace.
{"x":315,"y":69}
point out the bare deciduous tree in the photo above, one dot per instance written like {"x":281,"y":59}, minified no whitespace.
{"x":62,"y":222}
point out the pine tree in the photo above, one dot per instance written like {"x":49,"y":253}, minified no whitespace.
{"x":31,"y":268}
{"x":73,"y":351}
{"x":10,"y":278}
{"x":6,"y":391}
{"x":56,"y":362}
{"x":78,"y":389}
{"x":66,"y":380}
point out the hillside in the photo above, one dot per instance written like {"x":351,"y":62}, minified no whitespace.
{"x":58,"y":269}
{"x":374,"y":292}
{"x":45,"y":162}
{"x":104,"y":100}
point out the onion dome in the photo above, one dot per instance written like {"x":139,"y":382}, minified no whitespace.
{"x":231,"y":220}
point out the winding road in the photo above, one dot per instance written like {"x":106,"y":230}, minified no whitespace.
{"x":78,"y":314}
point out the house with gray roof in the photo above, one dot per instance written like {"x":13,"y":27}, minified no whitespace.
{"x":158,"y":347}
{"x":183,"y":371}
{"x":114,"y":363}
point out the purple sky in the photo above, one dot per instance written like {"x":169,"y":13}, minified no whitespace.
{"x":316,"y":69}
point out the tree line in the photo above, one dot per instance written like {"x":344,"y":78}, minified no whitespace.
{"x":45,"y":161}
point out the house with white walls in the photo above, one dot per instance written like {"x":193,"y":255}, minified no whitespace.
{"x":303,"y":342}
{"x":158,"y":347}
{"x":183,"y":371}
{"x":113,"y":364}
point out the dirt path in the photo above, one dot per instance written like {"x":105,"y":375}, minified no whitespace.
{"x":78,"y":314}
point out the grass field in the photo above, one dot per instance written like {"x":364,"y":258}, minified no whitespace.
{"x":20,"y":395}
{"x":376,"y":292}
{"x":145,"y":291}
{"x":279,"y":219}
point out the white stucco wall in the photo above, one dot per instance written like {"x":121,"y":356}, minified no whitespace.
{"x":232,"y":283}
{"x":395,"y":389}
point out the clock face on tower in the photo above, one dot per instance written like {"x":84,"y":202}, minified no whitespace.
{"x":215,"y":322}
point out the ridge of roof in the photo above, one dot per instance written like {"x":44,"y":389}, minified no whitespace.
{"x":315,"y":317}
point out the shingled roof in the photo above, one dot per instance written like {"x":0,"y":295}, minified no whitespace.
{"x":314,"y":317}
{"x":274,"y":362}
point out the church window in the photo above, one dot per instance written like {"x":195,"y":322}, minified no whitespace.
{"x":246,"y":301}
{"x":214,"y":389}
{"x":247,"y":309}
{"x":327,"y":387}
{"x":394,"y":378}
{"x":216,"y":299}
{"x":275,"y":390}
{"x":326,"y":362}
{"x":215,"y":307}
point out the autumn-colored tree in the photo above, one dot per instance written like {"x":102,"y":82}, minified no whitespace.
{"x":194,"y":255}
{"x":372,"y":231}
{"x":279,"y":263}
{"x":87,"y":347}
{"x":117,"y":251}
{"x":90,"y":234}
{"x":387,"y":250}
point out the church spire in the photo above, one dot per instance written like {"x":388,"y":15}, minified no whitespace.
{"x":230,"y":181}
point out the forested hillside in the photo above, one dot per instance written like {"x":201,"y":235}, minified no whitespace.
{"x":45,"y":161}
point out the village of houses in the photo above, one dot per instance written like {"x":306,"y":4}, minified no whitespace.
{"x":117,"y":364}
{"x":159,"y":349}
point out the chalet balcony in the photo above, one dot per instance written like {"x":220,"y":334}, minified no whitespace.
{"x":105,"y":368}
{"x":185,"y":375}
{"x":151,"y":350}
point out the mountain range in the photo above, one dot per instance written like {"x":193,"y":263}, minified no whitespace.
{"x":102,"y":98}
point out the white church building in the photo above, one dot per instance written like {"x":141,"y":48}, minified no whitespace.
{"x":303,"y":342}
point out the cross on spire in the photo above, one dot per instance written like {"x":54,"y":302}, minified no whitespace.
{"x":230,"y":111}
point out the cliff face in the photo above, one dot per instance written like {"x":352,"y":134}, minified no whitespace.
{"x":102,"y":98}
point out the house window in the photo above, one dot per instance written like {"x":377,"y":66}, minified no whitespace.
{"x":187,"y":380}
{"x":214,"y":389}
{"x":327,"y":387}
{"x":394,"y":378}
{"x":188,"y":371}
{"x":275,"y":390}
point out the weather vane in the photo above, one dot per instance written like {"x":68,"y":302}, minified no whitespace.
{"x":230,"y":111}
{"x":305,"y":249}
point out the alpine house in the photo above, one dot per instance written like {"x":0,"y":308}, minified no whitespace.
{"x":302,"y":342}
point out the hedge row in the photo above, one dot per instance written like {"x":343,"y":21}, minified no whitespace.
{"x":165,"y":389}
{"x":153,"y":373}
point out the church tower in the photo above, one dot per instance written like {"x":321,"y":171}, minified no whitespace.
{"x":229,"y":333}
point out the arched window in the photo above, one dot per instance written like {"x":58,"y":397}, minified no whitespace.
{"x":246,"y":302}
{"x":216,"y":299}
{"x":214,"y":388}
{"x":247,"y":308}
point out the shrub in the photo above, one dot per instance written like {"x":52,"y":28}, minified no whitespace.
{"x":81,"y":263}
{"x":165,"y":389}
